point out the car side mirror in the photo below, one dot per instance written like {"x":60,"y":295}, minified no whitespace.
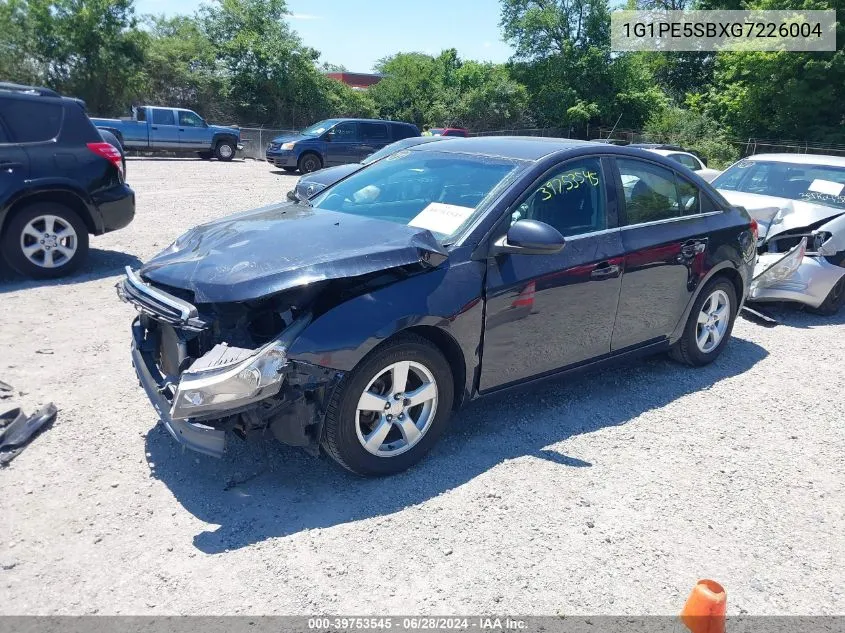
{"x":328,"y":136}
{"x":530,"y":237}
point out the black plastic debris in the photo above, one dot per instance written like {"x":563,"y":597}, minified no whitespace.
{"x":759,"y":317}
{"x":17,"y":430}
{"x":6,"y":390}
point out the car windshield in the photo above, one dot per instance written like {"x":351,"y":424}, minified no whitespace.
{"x":431,"y":190}
{"x":819,"y":184}
{"x":318,"y":128}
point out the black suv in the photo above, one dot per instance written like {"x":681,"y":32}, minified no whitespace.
{"x":59,"y":181}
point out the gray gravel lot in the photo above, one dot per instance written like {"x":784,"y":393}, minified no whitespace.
{"x":608,"y":494}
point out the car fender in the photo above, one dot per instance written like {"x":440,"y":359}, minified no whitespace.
{"x":224,"y":136}
{"x":718,"y":269}
{"x":44,"y":189}
{"x":447,"y":299}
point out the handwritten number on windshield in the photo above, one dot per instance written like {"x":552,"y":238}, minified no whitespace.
{"x":567,"y":182}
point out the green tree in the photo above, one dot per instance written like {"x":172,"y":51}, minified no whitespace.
{"x":86,"y":48}
{"x":272,"y":75}
{"x":693,"y":130}
{"x":180,"y":68}
{"x":563,"y":58}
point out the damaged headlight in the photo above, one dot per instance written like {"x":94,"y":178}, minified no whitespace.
{"x":782,"y":269}
{"x":228,"y":378}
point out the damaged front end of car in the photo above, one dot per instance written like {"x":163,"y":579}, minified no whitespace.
{"x":801,"y":264}
{"x":225,"y":368}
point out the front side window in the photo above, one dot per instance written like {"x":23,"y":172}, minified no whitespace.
{"x":650,"y":192}
{"x":571,"y":200}
{"x":819,"y":184}
{"x":190,"y":119}
{"x":346,"y":132}
{"x":431,"y":190}
{"x":163,"y":117}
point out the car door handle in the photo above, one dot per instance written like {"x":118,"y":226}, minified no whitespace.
{"x":154,"y":127}
{"x":605,"y":270}
{"x":10,"y":165}
{"x":181,"y":129}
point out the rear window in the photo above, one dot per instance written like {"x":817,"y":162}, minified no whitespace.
{"x":403,"y":131}
{"x":376,"y":132}
{"x":31,"y":120}
{"x":163,"y":117}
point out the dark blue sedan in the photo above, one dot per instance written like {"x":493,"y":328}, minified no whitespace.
{"x":355,"y":324}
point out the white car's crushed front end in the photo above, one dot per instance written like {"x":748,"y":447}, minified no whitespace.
{"x":785,"y":271}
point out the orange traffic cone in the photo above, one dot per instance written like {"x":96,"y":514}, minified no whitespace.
{"x":704,"y":611}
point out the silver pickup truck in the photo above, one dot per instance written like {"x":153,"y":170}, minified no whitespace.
{"x":154,"y":128}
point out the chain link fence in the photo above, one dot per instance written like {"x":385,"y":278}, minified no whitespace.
{"x":256,"y":139}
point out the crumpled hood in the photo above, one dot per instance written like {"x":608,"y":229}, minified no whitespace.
{"x":776,"y":215}
{"x":258,"y":253}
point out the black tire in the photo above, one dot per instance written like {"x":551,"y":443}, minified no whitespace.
{"x":686,"y":350}
{"x":309,"y":162}
{"x":225,"y":150}
{"x":340,"y":437}
{"x":13,"y":249}
{"x":290,"y":170}
{"x":833,"y":302}
{"x":206,"y":155}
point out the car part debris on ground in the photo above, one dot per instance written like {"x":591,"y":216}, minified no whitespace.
{"x":17,"y":430}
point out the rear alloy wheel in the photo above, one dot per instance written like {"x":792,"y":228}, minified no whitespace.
{"x":834,"y":300}
{"x":308,"y":163}
{"x":390,"y":410}
{"x":709,"y":325}
{"x":225,"y":150}
{"x":45,"y":240}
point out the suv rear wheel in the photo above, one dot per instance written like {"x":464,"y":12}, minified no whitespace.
{"x":45,"y":240}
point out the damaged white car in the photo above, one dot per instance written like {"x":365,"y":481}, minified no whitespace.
{"x":798,"y":201}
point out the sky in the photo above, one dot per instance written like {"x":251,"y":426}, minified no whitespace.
{"x":357,"y":34}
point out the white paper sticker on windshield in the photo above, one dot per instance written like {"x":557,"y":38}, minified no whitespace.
{"x":826,"y":186}
{"x":441,"y":218}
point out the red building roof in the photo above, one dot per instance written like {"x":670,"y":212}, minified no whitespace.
{"x":356,"y":80}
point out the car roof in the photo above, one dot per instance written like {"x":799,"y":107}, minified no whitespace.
{"x":339,"y":120}
{"x":800,"y":159}
{"x":530,"y":148}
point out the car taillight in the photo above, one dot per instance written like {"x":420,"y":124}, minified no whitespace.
{"x":109,"y":152}
{"x":755,"y":230}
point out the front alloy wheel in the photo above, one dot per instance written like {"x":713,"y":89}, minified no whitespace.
{"x":396,"y":409}
{"x":390,"y":409}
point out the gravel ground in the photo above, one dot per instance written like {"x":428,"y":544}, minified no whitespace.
{"x":610,"y":494}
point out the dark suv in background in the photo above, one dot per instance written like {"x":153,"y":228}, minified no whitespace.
{"x":59,"y":181}
{"x":335,"y":142}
